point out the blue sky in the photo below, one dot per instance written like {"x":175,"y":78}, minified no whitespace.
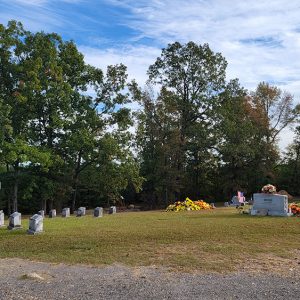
{"x":259,"y":39}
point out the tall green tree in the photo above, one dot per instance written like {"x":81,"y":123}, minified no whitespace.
{"x":193,"y":76}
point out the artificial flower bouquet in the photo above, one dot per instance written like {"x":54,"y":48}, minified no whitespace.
{"x":295,"y":209}
{"x":269,"y":189}
{"x":188,"y":204}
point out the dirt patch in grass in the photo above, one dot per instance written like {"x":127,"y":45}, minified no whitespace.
{"x":270,"y":263}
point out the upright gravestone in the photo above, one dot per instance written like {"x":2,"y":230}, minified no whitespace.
{"x":52,"y":213}
{"x":66,"y":212}
{"x":1,"y":218}
{"x":112,"y":210}
{"x":35,"y":224}
{"x":41,"y":213}
{"x":83,"y":209}
{"x":270,"y":204}
{"x":98,"y":212}
{"x":80,"y":212}
{"x":14,"y":221}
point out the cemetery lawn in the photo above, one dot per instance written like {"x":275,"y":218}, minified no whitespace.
{"x":216,"y":240}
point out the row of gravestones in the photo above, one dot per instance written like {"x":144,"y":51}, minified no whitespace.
{"x":36,"y":221}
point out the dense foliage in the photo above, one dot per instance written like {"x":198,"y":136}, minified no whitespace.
{"x":67,"y":135}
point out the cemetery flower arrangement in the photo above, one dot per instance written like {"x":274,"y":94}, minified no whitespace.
{"x":269,"y":189}
{"x":295,"y":209}
{"x":188,"y":204}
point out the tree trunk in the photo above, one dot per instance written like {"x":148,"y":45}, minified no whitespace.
{"x":44,"y":205}
{"x":16,"y":187}
{"x":75,"y":186}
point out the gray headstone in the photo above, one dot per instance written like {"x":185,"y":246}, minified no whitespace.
{"x":65,"y":212}
{"x":80,"y":212}
{"x":52,"y":213}
{"x":83,"y":209}
{"x":14,"y":221}
{"x":35,"y":224}
{"x":112,"y":210}
{"x":98,"y":212}
{"x":1,"y":218}
{"x":41,"y":213}
{"x":271,"y":205}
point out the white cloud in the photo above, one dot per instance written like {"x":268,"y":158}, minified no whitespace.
{"x":260,"y":40}
{"x":137,"y":59}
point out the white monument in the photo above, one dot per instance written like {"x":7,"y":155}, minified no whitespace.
{"x":14,"y":221}
{"x":112,"y":210}
{"x":41,"y":212}
{"x":1,"y":218}
{"x":35,"y":224}
{"x":271,"y":205}
{"x":66,"y":212}
{"x":83,"y":210}
{"x":52,"y":213}
{"x":98,"y":212}
{"x":80,"y":212}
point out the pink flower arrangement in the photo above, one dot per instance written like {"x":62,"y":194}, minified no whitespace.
{"x":269,"y":189}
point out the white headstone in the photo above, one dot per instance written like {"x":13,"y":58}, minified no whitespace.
{"x":41,"y":213}
{"x":270,"y":204}
{"x":112,"y":210}
{"x":35,"y":224}
{"x":66,"y":212}
{"x":52,"y":213}
{"x":83,"y":209}
{"x":1,"y":218}
{"x":98,"y":212}
{"x":80,"y":212}
{"x":14,"y":221}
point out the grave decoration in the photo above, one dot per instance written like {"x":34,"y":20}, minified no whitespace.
{"x":295,"y":209}
{"x":189,"y":204}
{"x":1,"y":218}
{"x":35,"y":224}
{"x":268,"y":189}
{"x":98,"y":212}
{"x":269,"y":203}
{"x":112,"y":210}
{"x":14,"y":221}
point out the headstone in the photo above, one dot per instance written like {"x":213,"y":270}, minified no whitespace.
{"x":83,"y":209}
{"x":14,"y":221}
{"x":80,"y":212}
{"x":1,"y":218}
{"x":112,"y":210}
{"x":35,"y":224}
{"x":41,"y":213}
{"x":66,"y":212}
{"x":52,"y":213}
{"x":270,"y":204}
{"x":98,"y":212}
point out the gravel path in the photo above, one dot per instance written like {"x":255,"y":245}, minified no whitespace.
{"x":21,"y":279}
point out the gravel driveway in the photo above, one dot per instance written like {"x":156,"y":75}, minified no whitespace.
{"x":21,"y":279}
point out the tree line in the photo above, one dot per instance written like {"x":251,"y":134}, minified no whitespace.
{"x":69,"y":138}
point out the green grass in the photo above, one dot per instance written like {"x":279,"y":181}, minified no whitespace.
{"x":215,"y":240}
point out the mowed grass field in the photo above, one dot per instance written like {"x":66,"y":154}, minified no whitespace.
{"x":215,"y":240}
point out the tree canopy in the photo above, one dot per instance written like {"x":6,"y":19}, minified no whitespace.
{"x":68,"y":136}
